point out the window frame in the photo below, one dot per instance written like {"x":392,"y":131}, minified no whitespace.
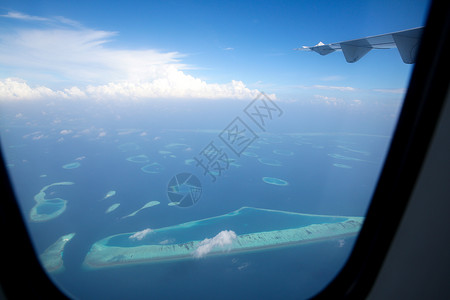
{"x":23,"y":276}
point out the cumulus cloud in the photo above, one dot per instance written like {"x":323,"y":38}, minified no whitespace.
{"x":38,"y":137}
{"x":223,"y":240}
{"x":326,"y":98}
{"x":86,"y":58}
{"x":13,"y":88}
{"x":141,"y":234}
{"x":178,"y":85}
{"x":165,"y":242}
{"x":335,"y":101}
{"x":65,"y":131}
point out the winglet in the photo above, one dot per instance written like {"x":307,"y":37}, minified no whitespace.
{"x":406,"y":41}
{"x":407,"y":47}
{"x":355,"y":51}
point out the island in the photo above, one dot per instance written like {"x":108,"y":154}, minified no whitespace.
{"x":153,"y":168}
{"x":52,"y":258}
{"x":147,"y":205}
{"x":109,"y":194}
{"x":256,"y":229}
{"x":73,"y":165}
{"x":142,"y":158}
{"x":47,"y":209}
{"x":275,"y":181}
{"x":112,"y":208}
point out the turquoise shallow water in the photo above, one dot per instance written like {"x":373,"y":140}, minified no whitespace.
{"x":243,"y":221}
{"x":138,"y":158}
{"x":50,"y":206}
{"x":72,"y":165}
{"x":275,"y":181}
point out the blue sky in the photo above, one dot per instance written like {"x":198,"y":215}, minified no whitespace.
{"x":199,"y":49}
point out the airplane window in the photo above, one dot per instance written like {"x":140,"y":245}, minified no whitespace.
{"x":187,"y":149}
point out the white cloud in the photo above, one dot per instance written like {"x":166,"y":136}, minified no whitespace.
{"x":85,"y":58}
{"x":165,"y":242}
{"x":65,"y":131}
{"x":13,"y":88}
{"x":332,"y":78}
{"x":328,"y":88}
{"x":38,"y":137}
{"x":336,"y":101}
{"x":67,"y":21}
{"x":331,"y":101}
{"x":177,"y":85}
{"x":81,"y":55}
{"x":338,"y":88}
{"x":391,"y":91}
{"x":228,"y":49}
{"x":222,"y":240}
{"x":21,"y":16}
{"x":33,"y":134}
{"x":326,"y":98}
{"x":141,"y":234}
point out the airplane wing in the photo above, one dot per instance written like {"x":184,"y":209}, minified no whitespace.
{"x":406,"y":41}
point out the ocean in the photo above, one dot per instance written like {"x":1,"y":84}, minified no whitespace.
{"x":314,"y":161}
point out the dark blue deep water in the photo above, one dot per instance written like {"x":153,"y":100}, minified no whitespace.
{"x":331,"y":163}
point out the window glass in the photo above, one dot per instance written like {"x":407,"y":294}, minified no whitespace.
{"x":185,"y":149}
